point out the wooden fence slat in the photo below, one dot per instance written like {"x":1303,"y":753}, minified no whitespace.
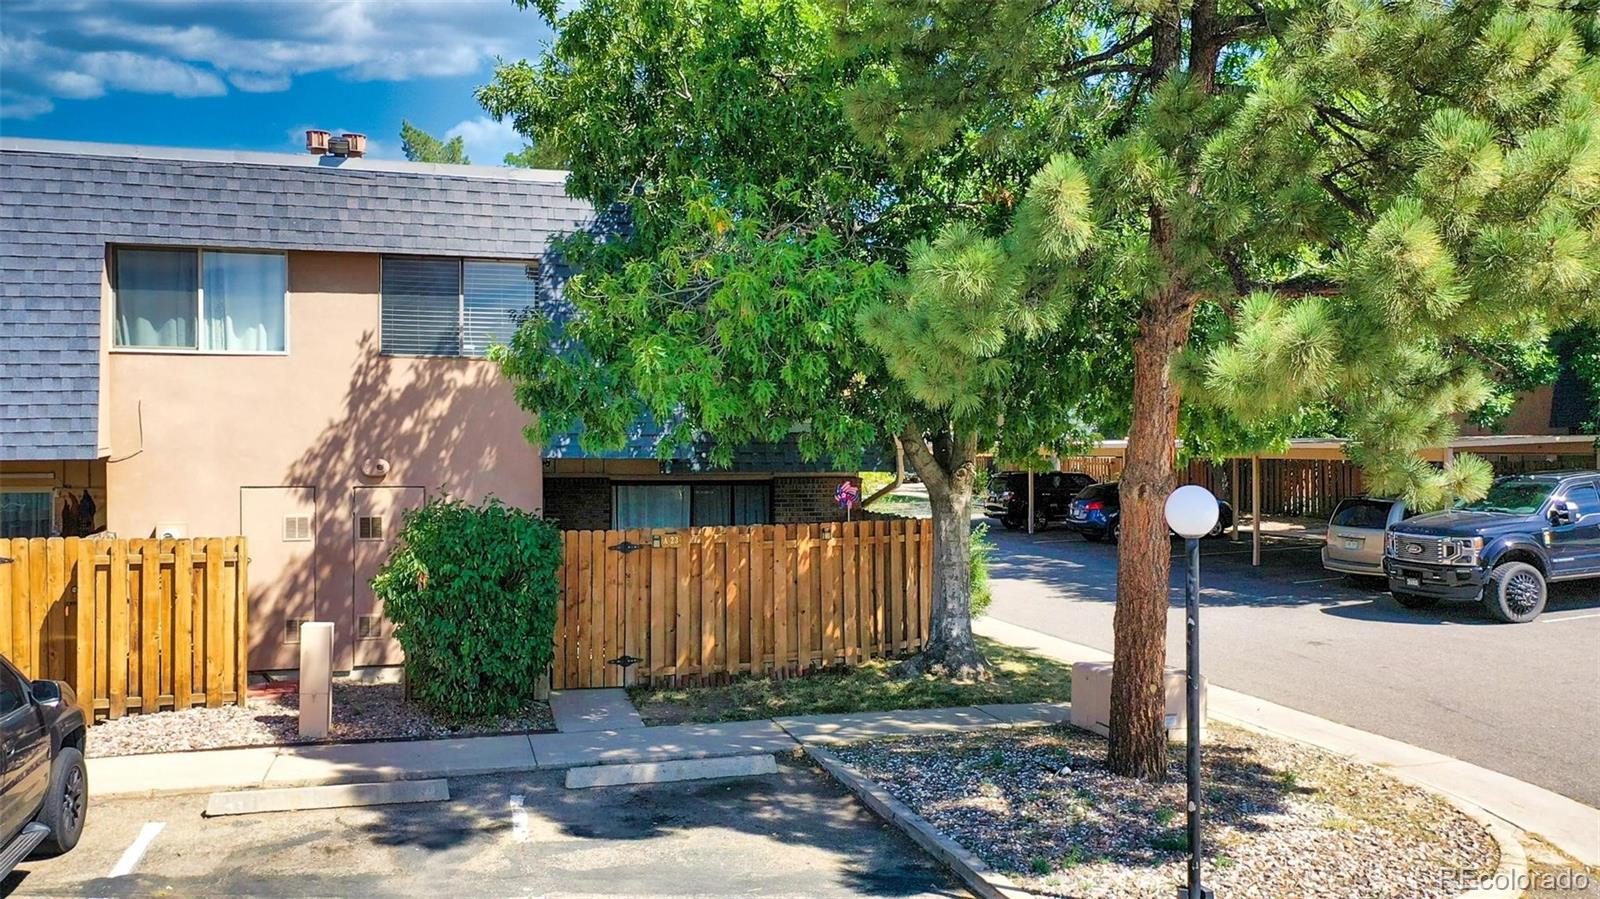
{"x":7,"y":619}
{"x":183,"y":625}
{"x":687,"y":641}
{"x":21,"y":608}
{"x":759,"y":600}
{"x":149,"y":627}
{"x":925,"y":583}
{"x":53,"y":660}
{"x":214,"y":626}
{"x":657,"y":635}
{"x":738,"y":561}
{"x":850,"y":561}
{"x":83,"y":626}
{"x":38,"y":578}
{"x":117,"y":647}
{"x":805,"y":595}
{"x":782,"y":644}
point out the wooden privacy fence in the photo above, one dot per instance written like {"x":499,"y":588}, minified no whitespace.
{"x":132,"y":625}
{"x":706,"y":603}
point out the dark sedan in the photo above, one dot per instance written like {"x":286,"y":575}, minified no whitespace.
{"x":1096,"y":513}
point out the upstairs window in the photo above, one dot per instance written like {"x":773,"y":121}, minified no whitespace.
{"x":453,"y":307}
{"x":208,"y":301}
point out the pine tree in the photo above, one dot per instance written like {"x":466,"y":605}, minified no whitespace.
{"x":1337,"y":209}
{"x":420,"y":146}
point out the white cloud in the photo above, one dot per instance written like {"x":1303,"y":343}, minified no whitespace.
{"x":69,"y":49}
{"x":487,"y":141}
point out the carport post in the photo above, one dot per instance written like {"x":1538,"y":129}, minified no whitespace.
{"x":1233,"y":487}
{"x":1030,"y":502}
{"x":1255,"y":510}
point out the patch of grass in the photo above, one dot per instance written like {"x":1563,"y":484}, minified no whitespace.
{"x":1019,"y":676}
{"x":1165,"y":816}
{"x":1040,"y":865}
{"x":1289,"y":779}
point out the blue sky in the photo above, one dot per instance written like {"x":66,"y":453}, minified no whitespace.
{"x":254,"y":74}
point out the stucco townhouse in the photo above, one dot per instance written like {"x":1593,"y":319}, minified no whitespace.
{"x":291,"y":347}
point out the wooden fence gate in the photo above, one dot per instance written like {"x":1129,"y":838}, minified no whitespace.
{"x":132,"y":625}
{"x":706,"y":603}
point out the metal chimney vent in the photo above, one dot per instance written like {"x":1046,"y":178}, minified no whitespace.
{"x":322,"y":143}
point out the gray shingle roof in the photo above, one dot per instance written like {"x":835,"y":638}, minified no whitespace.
{"x":64,"y":202}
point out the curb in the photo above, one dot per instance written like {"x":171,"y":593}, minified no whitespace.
{"x":977,"y":875}
{"x":1505,"y":883}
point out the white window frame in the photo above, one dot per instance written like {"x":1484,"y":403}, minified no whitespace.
{"x":200,"y":302}
{"x":461,"y":302}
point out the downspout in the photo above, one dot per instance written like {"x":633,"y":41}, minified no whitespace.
{"x":899,"y":475}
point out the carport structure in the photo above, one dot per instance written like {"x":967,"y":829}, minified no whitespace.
{"x":1311,"y":475}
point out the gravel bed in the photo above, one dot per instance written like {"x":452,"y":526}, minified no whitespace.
{"x":360,"y":712}
{"x":1282,"y":819}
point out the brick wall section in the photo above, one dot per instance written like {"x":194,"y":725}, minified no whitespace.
{"x":805,"y":500}
{"x":578,"y":504}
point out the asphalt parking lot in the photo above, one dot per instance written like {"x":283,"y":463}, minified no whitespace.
{"x":794,"y":833}
{"x":1520,"y":699}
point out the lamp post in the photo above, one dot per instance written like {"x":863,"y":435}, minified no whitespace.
{"x":1191,"y":512}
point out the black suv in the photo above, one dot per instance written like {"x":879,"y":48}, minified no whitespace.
{"x":1052,"y":497}
{"x":44,"y":784}
{"x":1096,"y":513}
{"x":1503,"y":549}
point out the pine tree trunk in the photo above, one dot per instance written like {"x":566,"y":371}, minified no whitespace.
{"x":949,"y":471}
{"x":1138,"y":746}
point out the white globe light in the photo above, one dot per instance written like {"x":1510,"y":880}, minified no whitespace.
{"x":1192,"y":511}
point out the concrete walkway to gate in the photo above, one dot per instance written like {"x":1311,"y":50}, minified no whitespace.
{"x":607,"y":708}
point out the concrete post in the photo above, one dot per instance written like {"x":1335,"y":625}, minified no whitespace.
{"x":316,"y":679}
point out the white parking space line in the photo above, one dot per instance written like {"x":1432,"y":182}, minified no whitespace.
{"x":1550,"y":620}
{"x":1321,"y":580}
{"x":136,"y":850}
{"x":519,"y":819}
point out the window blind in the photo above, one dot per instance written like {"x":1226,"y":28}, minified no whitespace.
{"x":498,"y":296}
{"x":421,"y":306}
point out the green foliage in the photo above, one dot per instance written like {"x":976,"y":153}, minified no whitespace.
{"x":1373,"y":214}
{"x":1580,"y":351}
{"x":728,"y":305}
{"x":980,"y":551}
{"x":420,"y":146}
{"x":473,"y":592}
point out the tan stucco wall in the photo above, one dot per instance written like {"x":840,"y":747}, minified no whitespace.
{"x":189,"y":431}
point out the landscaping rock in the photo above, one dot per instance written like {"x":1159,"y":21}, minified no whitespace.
{"x":360,"y":712}
{"x":1282,"y":819}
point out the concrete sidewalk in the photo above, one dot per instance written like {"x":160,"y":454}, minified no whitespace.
{"x":1570,"y":826}
{"x":286,"y":766}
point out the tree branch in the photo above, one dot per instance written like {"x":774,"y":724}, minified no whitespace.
{"x":1079,"y":67}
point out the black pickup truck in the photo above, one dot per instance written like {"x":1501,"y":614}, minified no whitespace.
{"x":44,"y":784}
{"x":1502,"y":550}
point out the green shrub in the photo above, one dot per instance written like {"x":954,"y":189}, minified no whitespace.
{"x":981,"y":549}
{"x":473,"y":592}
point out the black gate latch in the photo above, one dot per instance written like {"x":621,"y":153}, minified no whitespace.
{"x":627,"y":546}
